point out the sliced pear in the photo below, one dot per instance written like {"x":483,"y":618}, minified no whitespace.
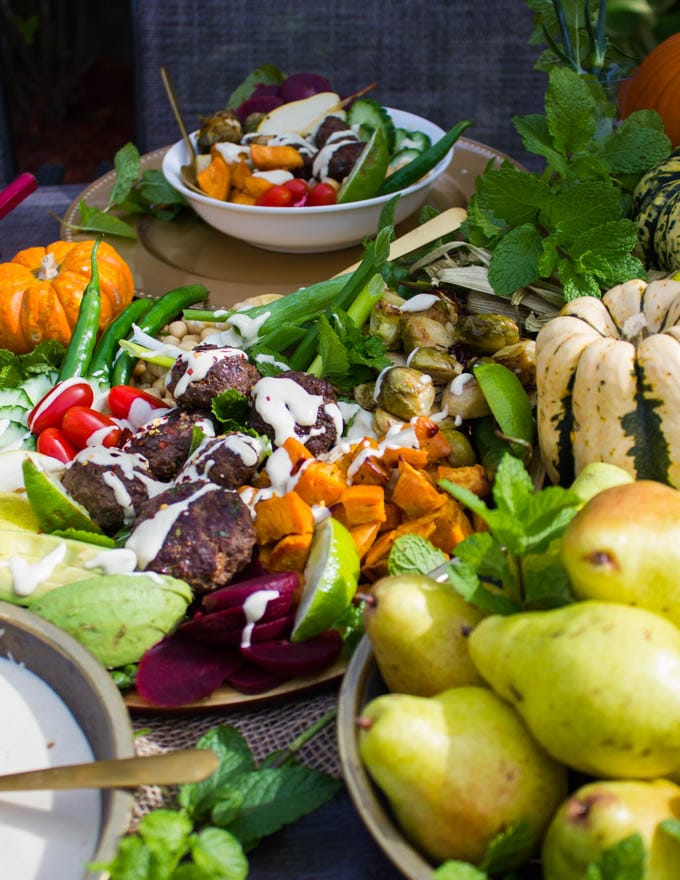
{"x":300,"y":117}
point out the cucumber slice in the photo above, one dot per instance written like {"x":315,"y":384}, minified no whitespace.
{"x":403,"y":157}
{"x":15,"y":397}
{"x":369,"y":114}
{"x":13,"y":435}
{"x":400,"y":134}
{"x":36,"y":387}
{"x":14,"y":413}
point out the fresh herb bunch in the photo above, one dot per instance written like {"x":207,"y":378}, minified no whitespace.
{"x":570,"y":223}
{"x":219,"y":820}
{"x":133,"y":192}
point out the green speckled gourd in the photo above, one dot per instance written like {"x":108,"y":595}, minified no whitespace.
{"x":656,"y":208}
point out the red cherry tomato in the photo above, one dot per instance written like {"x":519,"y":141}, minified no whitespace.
{"x":53,"y":442}
{"x":133,"y":404}
{"x":50,"y":410}
{"x":322,"y":194}
{"x":83,"y":427}
{"x":275,"y":197}
{"x":299,"y":189}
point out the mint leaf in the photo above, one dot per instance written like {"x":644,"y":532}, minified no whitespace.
{"x":536,"y":137}
{"x":546,"y":583}
{"x":626,"y":860}
{"x":274,"y":797}
{"x":334,"y":356}
{"x":509,"y":848}
{"x":231,"y":406}
{"x":458,"y":871}
{"x":514,"y":261}
{"x":414,"y":554}
{"x":482,"y":551}
{"x":671,"y":827}
{"x":126,"y":163}
{"x":638,"y":143}
{"x":219,"y":854}
{"x":94,"y":220}
{"x":570,"y":111}
{"x":578,"y":209}
{"x":464,"y":579}
{"x":512,"y":194}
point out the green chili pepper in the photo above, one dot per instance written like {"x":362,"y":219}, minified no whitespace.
{"x":84,"y":337}
{"x":416,"y":168}
{"x":165,"y":309}
{"x":107,"y":347}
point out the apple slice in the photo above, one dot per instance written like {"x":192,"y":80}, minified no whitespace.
{"x":300,"y":117}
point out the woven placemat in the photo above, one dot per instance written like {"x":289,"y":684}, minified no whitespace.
{"x":265,"y":729}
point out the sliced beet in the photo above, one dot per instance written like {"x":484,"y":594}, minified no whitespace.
{"x":301,"y":85}
{"x":263,"y":104}
{"x":223,"y":627}
{"x":234,"y":595}
{"x":269,"y":630}
{"x":291,"y":659}
{"x":268,"y":89}
{"x":251,"y":679}
{"x":179,"y":670}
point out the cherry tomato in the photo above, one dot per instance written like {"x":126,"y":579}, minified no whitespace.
{"x":133,"y":404}
{"x":299,"y":189}
{"x":53,"y":442}
{"x":322,"y":194}
{"x":83,"y":427}
{"x":50,"y":410}
{"x":275,"y":197}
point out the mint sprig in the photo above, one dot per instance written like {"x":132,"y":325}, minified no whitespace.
{"x":220,"y":819}
{"x":572,"y":222}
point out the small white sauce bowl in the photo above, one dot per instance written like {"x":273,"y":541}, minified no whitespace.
{"x":313,"y":229}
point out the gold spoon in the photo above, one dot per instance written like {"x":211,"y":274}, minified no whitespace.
{"x":171,"y":768}
{"x":187,"y":172}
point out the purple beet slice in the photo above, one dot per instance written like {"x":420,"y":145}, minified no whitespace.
{"x":251,"y":679}
{"x":258,"y":104}
{"x":222,"y":627}
{"x":234,"y":595}
{"x":179,"y":670}
{"x":291,"y":659}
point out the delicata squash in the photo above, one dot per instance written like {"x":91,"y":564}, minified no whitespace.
{"x":608,"y":383}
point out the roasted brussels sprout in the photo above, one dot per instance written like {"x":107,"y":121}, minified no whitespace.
{"x":405,"y":392}
{"x":463,"y":398}
{"x":224,"y":125}
{"x":383,"y":421}
{"x":364,"y":395}
{"x":434,"y":327}
{"x":462,"y":452}
{"x":486,"y":333}
{"x":385,"y":319}
{"x":521,"y":359}
{"x":438,"y":364}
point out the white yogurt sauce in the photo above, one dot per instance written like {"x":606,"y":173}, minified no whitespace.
{"x":44,"y":835}
{"x":254,"y":609}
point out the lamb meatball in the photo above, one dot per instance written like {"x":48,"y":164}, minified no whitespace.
{"x":202,"y":534}
{"x":110,"y":484}
{"x":230,"y":460}
{"x":204,"y":372}
{"x":297,"y":404}
{"x":343,"y":159}
{"x":330,"y":126}
{"x":167,"y":441}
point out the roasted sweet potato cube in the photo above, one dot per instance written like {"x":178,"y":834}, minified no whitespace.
{"x":282,"y":515}
{"x":361,"y":503}
{"x":472,"y":477}
{"x":431,"y":439}
{"x":270,"y":158}
{"x":255,"y":185}
{"x":215,"y":179}
{"x":320,"y":482}
{"x":415,"y":457}
{"x":364,"y":535}
{"x":238,"y":197}
{"x":415,"y":493}
{"x":290,"y":553}
{"x":451,"y":526}
{"x":239,"y":172}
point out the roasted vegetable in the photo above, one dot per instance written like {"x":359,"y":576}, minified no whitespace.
{"x":486,"y":334}
{"x":222,"y":126}
{"x":656,"y":206}
{"x":405,"y":392}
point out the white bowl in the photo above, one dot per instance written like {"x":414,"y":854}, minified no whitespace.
{"x":313,"y":229}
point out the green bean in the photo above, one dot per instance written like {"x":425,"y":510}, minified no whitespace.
{"x":164,"y":310}
{"x":84,"y":337}
{"x":416,"y":168}
{"x":106,"y":348}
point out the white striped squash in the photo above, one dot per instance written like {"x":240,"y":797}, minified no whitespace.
{"x":608,"y":383}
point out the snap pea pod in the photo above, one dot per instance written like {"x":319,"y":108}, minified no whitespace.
{"x":165,"y":309}
{"x":416,"y":168}
{"x":107,"y":347}
{"x":84,"y":336}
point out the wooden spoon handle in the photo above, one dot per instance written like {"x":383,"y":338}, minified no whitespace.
{"x":171,"y":768}
{"x":443,"y":224}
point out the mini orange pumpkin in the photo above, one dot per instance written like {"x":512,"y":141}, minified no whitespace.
{"x":655,"y":85}
{"x":41,"y":289}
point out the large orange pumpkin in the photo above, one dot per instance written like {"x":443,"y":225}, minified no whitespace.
{"x":41,"y":289}
{"x":655,"y":85}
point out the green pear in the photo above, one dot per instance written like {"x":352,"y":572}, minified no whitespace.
{"x":458,"y":769}
{"x":418,"y":630}
{"x":597,"y":683}
{"x":600,"y":814}
{"x":597,"y":476}
{"x":624,"y":546}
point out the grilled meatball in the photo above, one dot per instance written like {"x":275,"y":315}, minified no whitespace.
{"x":230,"y":460}
{"x":167,"y":441}
{"x":203,"y":534}
{"x":204,"y":372}
{"x":110,"y":484}
{"x":343,"y":159}
{"x":330,"y":126}
{"x":297,"y":404}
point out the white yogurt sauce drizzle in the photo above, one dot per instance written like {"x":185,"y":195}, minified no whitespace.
{"x":27,"y":577}
{"x":44,"y":835}
{"x":419,"y":303}
{"x":282,"y":403}
{"x":254,"y":609}
{"x":198,"y":362}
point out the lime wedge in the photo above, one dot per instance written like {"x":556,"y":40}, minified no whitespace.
{"x":54,"y":508}
{"x":17,"y":513}
{"x":368,"y":173}
{"x":331,"y":578}
{"x":509,"y":403}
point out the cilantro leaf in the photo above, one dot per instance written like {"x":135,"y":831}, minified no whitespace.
{"x":412,"y":553}
{"x":348,"y":356}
